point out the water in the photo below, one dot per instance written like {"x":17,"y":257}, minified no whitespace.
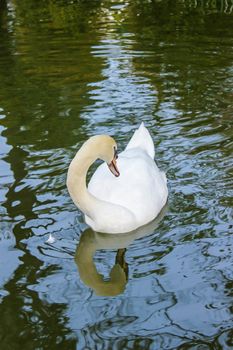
{"x":72,"y":69}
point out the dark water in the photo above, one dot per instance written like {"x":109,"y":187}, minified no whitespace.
{"x":72,"y":69}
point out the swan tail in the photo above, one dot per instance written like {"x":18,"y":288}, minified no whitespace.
{"x":142,"y":139}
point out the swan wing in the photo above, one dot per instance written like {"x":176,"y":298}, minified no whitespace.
{"x":142,"y":139}
{"x":141,"y":186}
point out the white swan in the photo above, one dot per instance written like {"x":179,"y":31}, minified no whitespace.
{"x":118,"y":204}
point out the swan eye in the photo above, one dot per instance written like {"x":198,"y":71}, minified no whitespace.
{"x":115,"y":153}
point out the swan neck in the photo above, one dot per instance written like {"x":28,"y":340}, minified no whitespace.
{"x":76,"y":181}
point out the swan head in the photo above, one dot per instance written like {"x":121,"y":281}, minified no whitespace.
{"x":105,"y":148}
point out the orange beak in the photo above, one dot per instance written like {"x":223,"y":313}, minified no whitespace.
{"x":113,"y":167}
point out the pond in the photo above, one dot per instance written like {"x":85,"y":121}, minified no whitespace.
{"x":73,"y":69}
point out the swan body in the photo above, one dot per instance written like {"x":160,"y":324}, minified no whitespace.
{"x":118,"y":204}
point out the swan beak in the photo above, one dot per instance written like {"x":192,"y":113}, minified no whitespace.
{"x":113,"y":167}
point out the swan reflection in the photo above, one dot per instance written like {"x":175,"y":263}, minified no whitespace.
{"x":92,"y":241}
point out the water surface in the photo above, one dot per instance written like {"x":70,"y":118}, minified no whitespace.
{"x":72,"y":69}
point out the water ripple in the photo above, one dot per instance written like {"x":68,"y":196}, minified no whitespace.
{"x":70,"y":70}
